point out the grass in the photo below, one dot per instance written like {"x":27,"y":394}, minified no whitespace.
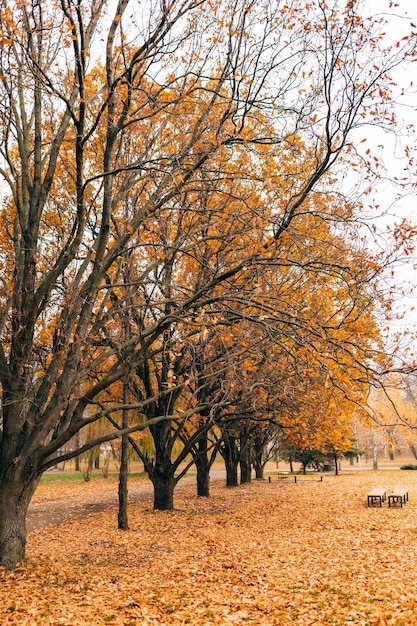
{"x":71,"y":486}
{"x":64,"y":477}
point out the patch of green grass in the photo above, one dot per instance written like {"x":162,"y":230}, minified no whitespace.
{"x":77,"y":476}
{"x":61,"y":476}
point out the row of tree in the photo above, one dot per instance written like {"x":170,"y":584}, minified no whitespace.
{"x":182,"y":239}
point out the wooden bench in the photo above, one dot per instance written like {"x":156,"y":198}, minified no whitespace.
{"x":377,"y":496}
{"x":282,"y":476}
{"x":398,"y":497}
{"x":279,"y":476}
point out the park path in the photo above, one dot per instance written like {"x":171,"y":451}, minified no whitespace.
{"x":54,"y":512}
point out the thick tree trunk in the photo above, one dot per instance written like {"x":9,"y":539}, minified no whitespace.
{"x":230,"y":456}
{"x":245,"y":469}
{"x":203,"y":479}
{"x":15,"y":496}
{"x":203,"y":468}
{"x":164,"y":485}
{"x":245,"y":458}
{"x":258,"y":464}
{"x":231,"y":473}
{"x":162,"y":470}
{"x":259,"y":470}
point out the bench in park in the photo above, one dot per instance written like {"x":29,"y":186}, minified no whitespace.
{"x":377,"y":496}
{"x":398,"y":497}
{"x":279,"y":476}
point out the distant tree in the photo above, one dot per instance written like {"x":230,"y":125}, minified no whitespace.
{"x":308,"y":457}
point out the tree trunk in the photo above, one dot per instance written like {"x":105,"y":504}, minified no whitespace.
{"x":161,"y":471}
{"x":122,"y":520}
{"x":245,"y":457}
{"x":164,"y":484}
{"x":245,"y":469}
{"x":15,"y":496}
{"x":259,"y":470}
{"x":203,"y":481}
{"x":231,"y":473}
{"x":258,"y":464}
{"x":89,"y":464}
{"x":77,"y":443}
{"x":203,"y":468}
{"x":258,"y":456}
{"x":230,"y":456}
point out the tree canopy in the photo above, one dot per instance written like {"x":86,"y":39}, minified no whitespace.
{"x":175,"y":182}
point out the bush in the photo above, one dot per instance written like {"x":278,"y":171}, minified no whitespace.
{"x":409,"y":467}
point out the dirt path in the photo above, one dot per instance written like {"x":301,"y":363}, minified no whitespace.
{"x":54,"y":512}
{"x":59,"y":511}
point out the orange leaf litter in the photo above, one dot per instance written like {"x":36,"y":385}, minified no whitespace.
{"x":275,"y":553}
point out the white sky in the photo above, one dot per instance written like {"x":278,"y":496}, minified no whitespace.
{"x":399,"y":15}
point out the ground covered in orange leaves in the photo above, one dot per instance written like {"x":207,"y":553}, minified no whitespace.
{"x":310,"y":553}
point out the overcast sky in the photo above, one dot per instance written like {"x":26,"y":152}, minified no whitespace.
{"x":396,"y":203}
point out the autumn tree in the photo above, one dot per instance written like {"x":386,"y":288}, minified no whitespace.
{"x":66,"y":133}
{"x":102,"y":105}
{"x":393,"y":421}
{"x":308,"y":342}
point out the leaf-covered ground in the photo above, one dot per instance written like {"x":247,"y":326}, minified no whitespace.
{"x":310,"y":553}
